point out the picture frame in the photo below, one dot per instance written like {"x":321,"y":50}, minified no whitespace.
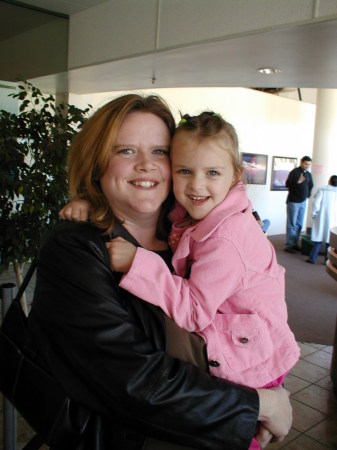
{"x":254,"y":167}
{"x":281,"y":167}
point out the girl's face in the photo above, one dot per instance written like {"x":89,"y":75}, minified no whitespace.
{"x":202,"y":172}
{"x":138,"y":178}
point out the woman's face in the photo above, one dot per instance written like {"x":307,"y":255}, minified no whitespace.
{"x":138,"y":177}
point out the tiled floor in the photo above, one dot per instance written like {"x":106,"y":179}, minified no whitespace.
{"x":314,"y":403}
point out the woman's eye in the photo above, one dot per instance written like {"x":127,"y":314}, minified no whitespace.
{"x":161,"y":152}
{"x":184,"y":171}
{"x":126,"y":151}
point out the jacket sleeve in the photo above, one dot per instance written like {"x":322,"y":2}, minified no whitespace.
{"x":108,"y":359}
{"x":191,"y":302}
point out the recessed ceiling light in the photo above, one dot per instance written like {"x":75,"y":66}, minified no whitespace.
{"x":269,"y":70}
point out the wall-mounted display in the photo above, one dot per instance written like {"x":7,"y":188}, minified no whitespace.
{"x":282,"y":165}
{"x":254,"y":167}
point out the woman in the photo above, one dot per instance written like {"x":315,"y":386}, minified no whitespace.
{"x":106,"y":349}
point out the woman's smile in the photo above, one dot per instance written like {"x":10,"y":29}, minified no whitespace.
{"x":144,"y":184}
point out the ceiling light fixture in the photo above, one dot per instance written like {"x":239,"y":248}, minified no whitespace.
{"x":269,"y":70}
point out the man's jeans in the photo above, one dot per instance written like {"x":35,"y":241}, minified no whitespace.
{"x":266,"y":225}
{"x":295,"y":218}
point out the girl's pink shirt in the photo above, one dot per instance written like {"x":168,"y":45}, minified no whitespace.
{"x":233,"y":293}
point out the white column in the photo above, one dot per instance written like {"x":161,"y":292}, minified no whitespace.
{"x":62,"y":98}
{"x":324,"y":157}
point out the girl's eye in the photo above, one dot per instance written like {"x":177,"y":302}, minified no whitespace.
{"x":184,"y":171}
{"x":213,"y":173}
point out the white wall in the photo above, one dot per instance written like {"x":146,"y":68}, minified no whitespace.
{"x":266,"y":124}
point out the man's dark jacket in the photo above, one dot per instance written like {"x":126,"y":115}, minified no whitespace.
{"x":298,"y":192}
{"x":107,"y":350}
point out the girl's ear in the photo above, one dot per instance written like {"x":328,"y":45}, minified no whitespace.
{"x":237,"y":177}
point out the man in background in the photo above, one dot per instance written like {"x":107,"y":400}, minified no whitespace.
{"x":299,"y":184}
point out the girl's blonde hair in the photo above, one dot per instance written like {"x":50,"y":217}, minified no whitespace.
{"x":210,"y":124}
{"x":91,"y":150}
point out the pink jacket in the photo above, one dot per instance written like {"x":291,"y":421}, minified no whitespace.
{"x":234,"y":297}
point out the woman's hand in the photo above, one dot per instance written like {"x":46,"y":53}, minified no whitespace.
{"x":263,"y":436}
{"x":121,"y":253}
{"x":275,"y":412}
{"x":76,"y":210}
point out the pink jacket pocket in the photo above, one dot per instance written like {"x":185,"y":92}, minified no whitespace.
{"x":244,"y":340}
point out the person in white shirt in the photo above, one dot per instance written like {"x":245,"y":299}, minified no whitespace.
{"x":324,"y":217}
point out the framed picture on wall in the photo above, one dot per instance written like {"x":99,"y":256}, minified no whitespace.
{"x":280,"y":171}
{"x":254,"y":167}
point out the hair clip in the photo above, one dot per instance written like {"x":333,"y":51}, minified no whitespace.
{"x":217,"y":115}
{"x":182,"y":122}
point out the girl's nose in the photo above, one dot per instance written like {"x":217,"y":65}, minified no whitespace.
{"x":196,"y":182}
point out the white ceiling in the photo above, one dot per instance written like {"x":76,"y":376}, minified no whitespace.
{"x":306,"y":55}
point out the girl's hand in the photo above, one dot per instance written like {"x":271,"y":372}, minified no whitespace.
{"x":121,"y":253}
{"x":76,"y":210}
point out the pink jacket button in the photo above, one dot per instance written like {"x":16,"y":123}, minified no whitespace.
{"x":214,"y":363}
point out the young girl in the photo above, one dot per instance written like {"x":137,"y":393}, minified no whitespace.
{"x":227,"y":285}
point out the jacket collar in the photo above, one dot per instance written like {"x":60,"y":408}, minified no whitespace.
{"x":120,"y":231}
{"x":235,"y":201}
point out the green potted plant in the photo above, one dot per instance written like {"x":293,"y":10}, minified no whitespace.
{"x":33,"y":180}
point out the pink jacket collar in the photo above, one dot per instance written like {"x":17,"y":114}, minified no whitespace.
{"x":233,"y":203}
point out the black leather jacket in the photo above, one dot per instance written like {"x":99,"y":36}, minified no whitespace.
{"x":107,"y":350}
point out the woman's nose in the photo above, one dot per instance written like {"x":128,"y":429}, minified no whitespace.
{"x":144,"y":163}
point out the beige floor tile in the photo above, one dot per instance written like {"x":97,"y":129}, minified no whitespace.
{"x":308,"y":371}
{"x":306,"y":349}
{"x":305,"y":417}
{"x":304,"y":443}
{"x":316,"y":346}
{"x":328,"y":349}
{"x":320,"y":358}
{"x":317,"y":398}
{"x":325,"y":432}
{"x":325,"y":383}
{"x":295,"y":384}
